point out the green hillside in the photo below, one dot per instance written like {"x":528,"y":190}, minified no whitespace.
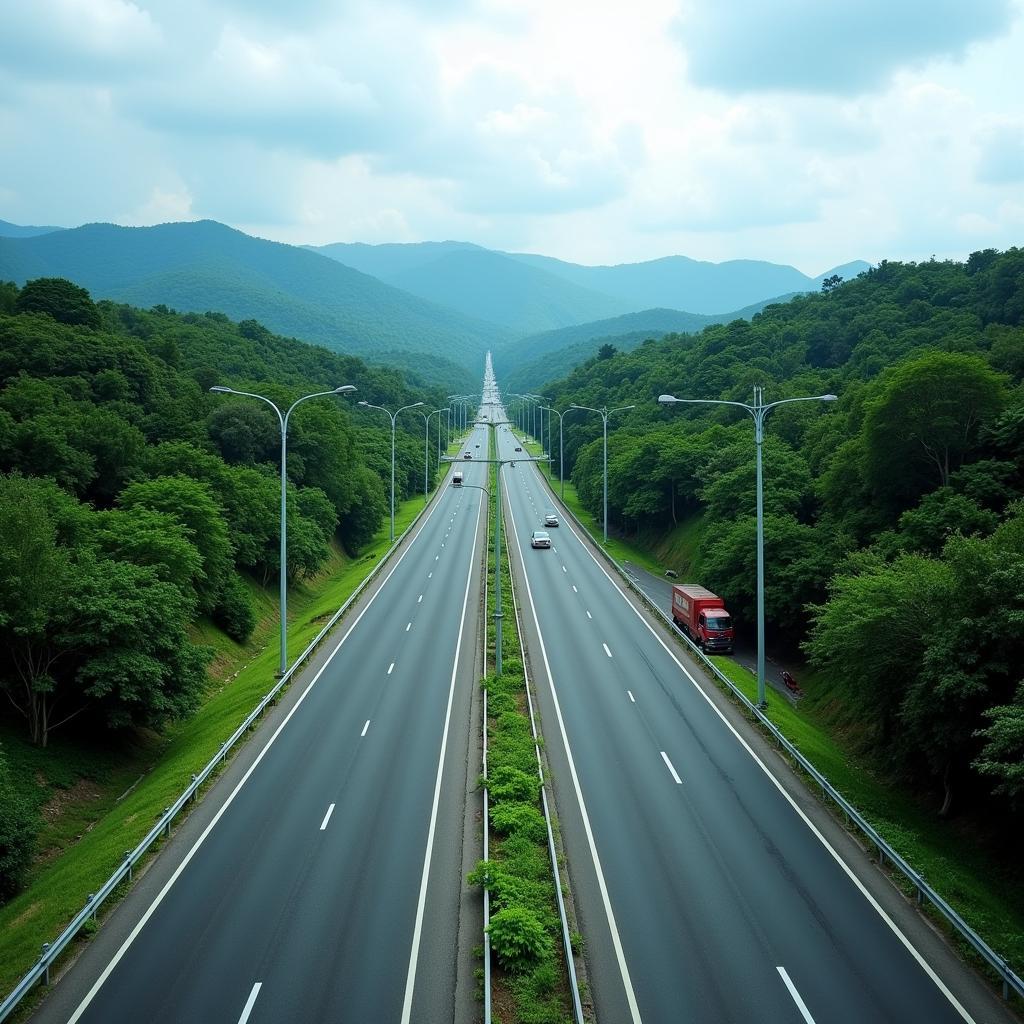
{"x":205,"y":265}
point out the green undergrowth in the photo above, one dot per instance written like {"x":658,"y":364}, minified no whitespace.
{"x":954,"y":864}
{"x":529,"y":976}
{"x":98,"y":795}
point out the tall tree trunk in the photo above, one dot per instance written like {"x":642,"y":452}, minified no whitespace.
{"x":947,"y":785}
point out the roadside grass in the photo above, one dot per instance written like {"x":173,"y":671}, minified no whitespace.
{"x":679,"y":549}
{"x":108,"y":792}
{"x":976,"y":884}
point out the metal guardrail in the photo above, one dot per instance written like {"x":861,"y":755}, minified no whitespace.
{"x":486,"y":850}
{"x":925,"y":893}
{"x":570,"y":962}
{"x":52,"y":950}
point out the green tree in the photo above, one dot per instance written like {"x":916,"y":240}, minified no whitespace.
{"x":17,"y":834}
{"x":59,"y":298}
{"x":1002,"y":756}
{"x":925,"y":421}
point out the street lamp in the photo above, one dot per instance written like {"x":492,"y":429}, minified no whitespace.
{"x":283,"y":421}
{"x":561,"y":473}
{"x":604,"y":413}
{"x":437,"y":413}
{"x":759,"y":411}
{"x":393,"y":416}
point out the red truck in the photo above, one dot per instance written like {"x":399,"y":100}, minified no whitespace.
{"x":702,"y":616}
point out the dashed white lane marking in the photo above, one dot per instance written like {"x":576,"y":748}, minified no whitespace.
{"x":564,"y":569}
{"x":327,"y":817}
{"x":250,"y":1002}
{"x":574,"y":590}
{"x":363,"y":733}
{"x":606,"y":651}
{"x":664,"y":757}
{"x":391,"y":668}
{"x":408,"y":627}
{"x":419,"y":599}
{"x":436,"y":557}
{"x":796,"y":996}
{"x":589,"y":616}
{"x":631,"y":697}
{"x":430,"y":575}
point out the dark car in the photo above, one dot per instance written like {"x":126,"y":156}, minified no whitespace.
{"x":518,"y":449}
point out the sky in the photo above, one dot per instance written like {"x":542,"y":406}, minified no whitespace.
{"x":806,"y":132}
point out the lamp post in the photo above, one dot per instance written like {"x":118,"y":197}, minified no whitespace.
{"x":759,"y":411}
{"x":604,"y":413}
{"x":393,"y":416}
{"x":437,"y":413}
{"x":282,"y":419}
{"x":561,"y":473}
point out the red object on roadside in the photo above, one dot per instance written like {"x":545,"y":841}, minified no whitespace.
{"x":703,"y":617}
{"x":791,"y":684}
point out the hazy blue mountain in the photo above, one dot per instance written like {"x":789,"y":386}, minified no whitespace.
{"x":390,"y":258}
{"x":530,"y":363}
{"x":847,"y":271}
{"x":677,"y":282}
{"x":206,"y":266}
{"x":9,"y":230}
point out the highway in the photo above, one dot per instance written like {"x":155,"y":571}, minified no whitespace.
{"x":705,"y":890}
{"x":327,"y":885}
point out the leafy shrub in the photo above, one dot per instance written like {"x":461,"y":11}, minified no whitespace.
{"x":234,"y":612}
{"x":506,"y":783}
{"x":518,"y":938}
{"x":17,"y":835}
{"x":513,"y":817}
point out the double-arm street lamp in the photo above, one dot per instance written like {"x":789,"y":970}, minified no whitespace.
{"x":283,"y":421}
{"x":759,"y":411}
{"x":394,"y":416}
{"x":561,"y":471}
{"x":604,"y":413}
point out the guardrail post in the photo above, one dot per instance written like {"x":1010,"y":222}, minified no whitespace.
{"x":167,"y":822}
{"x":91,"y":899}
{"x":194,"y":776}
{"x":46,"y":972}
{"x":128,"y":857}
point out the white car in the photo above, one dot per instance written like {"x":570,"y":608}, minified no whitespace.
{"x":540,"y":539}
{"x":550,"y":519}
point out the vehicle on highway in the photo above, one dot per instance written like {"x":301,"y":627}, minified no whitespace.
{"x":468,"y":455}
{"x":550,"y":519}
{"x":457,"y":478}
{"x":540,"y":539}
{"x":518,"y":449}
{"x":478,"y":446}
{"x":702,"y":616}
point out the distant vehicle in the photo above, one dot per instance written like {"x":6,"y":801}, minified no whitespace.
{"x":468,"y":455}
{"x":702,"y":616}
{"x":457,"y":478}
{"x":518,"y":449}
{"x":550,"y":519}
{"x":540,"y":539}
{"x":478,"y":446}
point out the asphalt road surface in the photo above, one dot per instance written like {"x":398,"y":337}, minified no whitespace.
{"x":326,"y":886}
{"x":706,"y":888}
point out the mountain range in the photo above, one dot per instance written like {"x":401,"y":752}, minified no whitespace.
{"x":448,"y":301}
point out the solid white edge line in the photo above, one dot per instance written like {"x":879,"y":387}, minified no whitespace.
{"x":606,"y":651}
{"x":250,"y":1002}
{"x":668,"y":764}
{"x":327,"y":818}
{"x":876,"y":906}
{"x":363,"y":733}
{"x":410,"y":981}
{"x":804,"y":1012}
{"x":158,"y":899}
{"x":620,"y":956}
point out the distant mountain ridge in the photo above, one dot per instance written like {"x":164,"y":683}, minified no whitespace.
{"x":9,"y":230}
{"x":482,"y":282}
{"x":203,"y":265}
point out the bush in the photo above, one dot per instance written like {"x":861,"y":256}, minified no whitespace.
{"x":234,"y":612}
{"x":17,"y":835}
{"x":518,"y":938}
{"x":505,"y":783}
{"x":514,"y":817}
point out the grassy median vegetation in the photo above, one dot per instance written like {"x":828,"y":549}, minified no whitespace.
{"x":529,"y":977}
{"x":99,"y":799}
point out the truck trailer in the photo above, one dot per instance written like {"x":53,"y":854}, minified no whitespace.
{"x":702,"y":616}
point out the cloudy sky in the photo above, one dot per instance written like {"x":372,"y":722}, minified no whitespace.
{"x":808,"y":132}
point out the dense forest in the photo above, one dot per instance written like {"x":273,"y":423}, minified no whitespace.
{"x":133,"y":501}
{"x":894,"y":518}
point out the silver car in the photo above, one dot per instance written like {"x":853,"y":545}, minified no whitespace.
{"x":540,"y":539}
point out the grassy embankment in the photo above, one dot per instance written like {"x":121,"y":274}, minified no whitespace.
{"x":98,"y":796}
{"x":980,"y":885}
{"x":529,"y":976}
